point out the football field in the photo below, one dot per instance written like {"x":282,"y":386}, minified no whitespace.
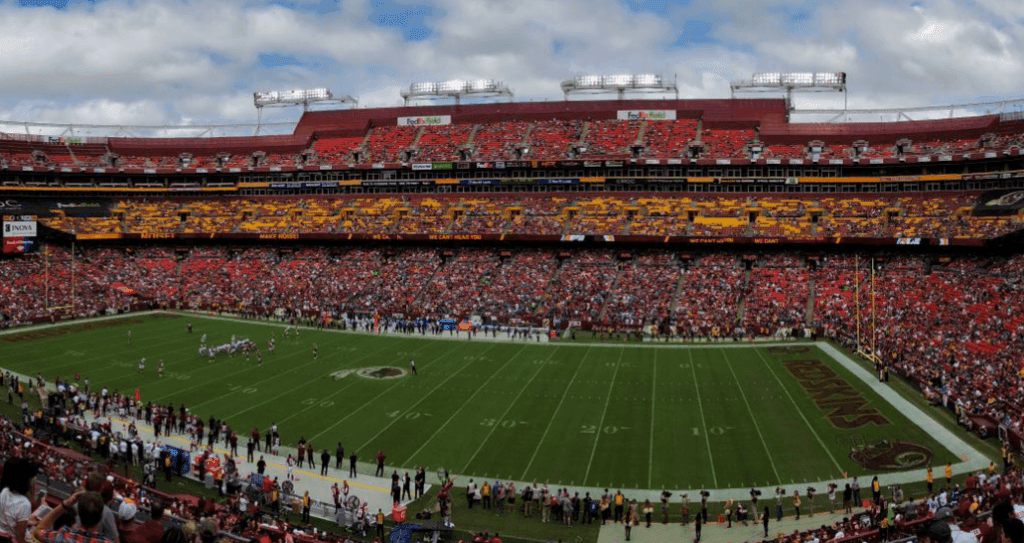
{"x":596,"y":415}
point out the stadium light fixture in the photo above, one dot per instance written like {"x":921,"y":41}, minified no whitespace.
{"x":788,"y":82}
{"x":618,"y":83}
{"x":455,"y":88}
{"x":305,"y":97}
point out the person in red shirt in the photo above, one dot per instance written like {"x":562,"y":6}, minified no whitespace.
{"x":380,"y":463}
{"x":150,"y":531}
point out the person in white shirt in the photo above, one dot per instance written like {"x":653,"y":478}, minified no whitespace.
{"x":15,"y":506}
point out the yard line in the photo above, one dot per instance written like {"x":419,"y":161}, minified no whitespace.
{"x":798,"y":410}
{"x":467,"y":402}
{"x":555,"y":414}
{"x":704,"y":421}
{"x":507,"y":409}
{"x":650,"y":456}
{"x":751,"y":411}
{"x":298,"y":412}
{"x":374,"y":399}
{"x":427,"y":395}
{"x":254,"y":368}
{"x":607,"y":401}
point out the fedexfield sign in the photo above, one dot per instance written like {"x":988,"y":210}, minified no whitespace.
{"x":646,"y":114}
{"x":426,"y":120}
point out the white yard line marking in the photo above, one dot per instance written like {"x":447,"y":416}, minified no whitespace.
{"x":479,"y":389}
{"x":798,"y":410}
{"x":375,"y":398}
{"x":425,"y":396}
{"x":497,"y":423}
{"x":352,"y":382}
{"x":607,"y":401}
{"x":650,"y":456}
{"x":555,"y":414}
{"x":703,"y":420}
{"x":752,"y":419}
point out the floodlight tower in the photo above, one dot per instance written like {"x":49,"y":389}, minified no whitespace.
{"x":294,"y":98}
{"x":619,"y":83}
{"x":789,"y":82}
{"x":455,"y":88}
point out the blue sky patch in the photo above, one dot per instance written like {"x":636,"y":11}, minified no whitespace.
{"x":695,"y":32}
{"x":410,"y":18}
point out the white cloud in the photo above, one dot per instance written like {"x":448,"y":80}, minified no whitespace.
{"x":167,"y":61}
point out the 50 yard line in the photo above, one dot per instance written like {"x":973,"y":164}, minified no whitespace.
{"x":600,"y":426}
{"x":704,"y":421}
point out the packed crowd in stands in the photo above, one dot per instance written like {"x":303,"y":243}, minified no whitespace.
{"x":502,"y":140}
{"x":946,"y":215}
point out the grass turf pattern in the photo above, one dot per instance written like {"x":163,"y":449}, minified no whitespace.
{"x":596,"y":415}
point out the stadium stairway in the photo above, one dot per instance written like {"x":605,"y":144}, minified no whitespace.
{"x":525,"y":142}
{"x":640,"y":133}
{"x":679,"y":288}
{"x":604,"y":306}
{"x":583,"y":135}
{"x":809,"y":313}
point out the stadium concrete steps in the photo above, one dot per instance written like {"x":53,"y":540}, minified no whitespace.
{"x":525,"y":142}
{"x":416,"y":138}
{"x":547,"y":292}
{"x":746,"y":285}
{"x":583,"y":134}
{"x":607,"y":300}
{"x":640,"y":133}
{"x":679,"y":288}
{"x":809,"y":318}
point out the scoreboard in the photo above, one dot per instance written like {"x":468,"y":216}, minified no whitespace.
{"x":19,"y":233}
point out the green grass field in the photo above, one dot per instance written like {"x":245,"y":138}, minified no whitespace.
{"x":629,"y":416}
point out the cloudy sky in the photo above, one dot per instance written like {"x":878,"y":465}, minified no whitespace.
{"x":199,"y":61}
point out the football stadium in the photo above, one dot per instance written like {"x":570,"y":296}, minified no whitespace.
{"x":617,"y":315}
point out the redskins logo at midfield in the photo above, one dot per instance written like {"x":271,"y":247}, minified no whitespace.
{"x":891,"y":455}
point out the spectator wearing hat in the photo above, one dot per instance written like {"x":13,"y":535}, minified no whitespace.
{"x":208,"y":531}
{"x":126,"y":520}
{"x":937,"y":529}
{"x":150,"y":531}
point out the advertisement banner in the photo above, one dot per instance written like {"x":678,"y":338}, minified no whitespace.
{"x":18,"y":245}
{"x":421,"y":166}
{"x":564,"y":181}
{"x":441,"y":166}
{"x":302,"y":184}
{"x":426,"y":120}
{"x":19,"y":229}
{"x":646,"y":114}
